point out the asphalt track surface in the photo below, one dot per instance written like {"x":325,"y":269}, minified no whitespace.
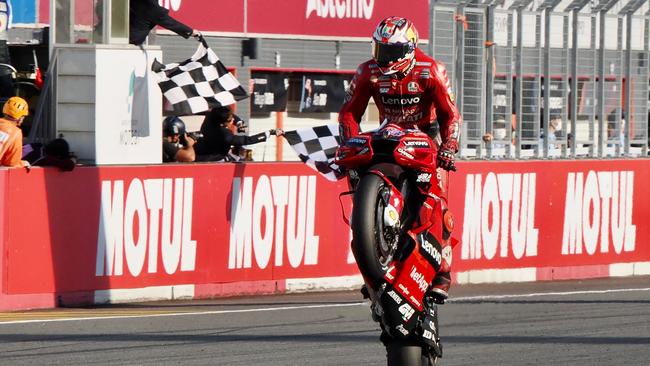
{"x":596,"y":322}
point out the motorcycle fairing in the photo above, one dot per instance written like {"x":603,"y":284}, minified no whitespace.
{"x":399,"y":317}
{"x":357,"y":151}
{"x":428,"y":330}
{"x":411,"y":277}
{"x":416,"y":153}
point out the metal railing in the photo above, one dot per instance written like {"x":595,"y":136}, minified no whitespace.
{"x":547,"y":78}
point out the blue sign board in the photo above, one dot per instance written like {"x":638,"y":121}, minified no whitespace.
{"x":18,"y":11}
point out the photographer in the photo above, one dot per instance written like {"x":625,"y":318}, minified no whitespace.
{"x":177,"y":145}
{"x":219,"y":135}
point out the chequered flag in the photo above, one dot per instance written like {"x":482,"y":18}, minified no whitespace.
{"x":199,"y":83}
{"x":316,"y":147}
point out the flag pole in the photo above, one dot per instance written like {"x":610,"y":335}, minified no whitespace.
{"x":279,"y":123}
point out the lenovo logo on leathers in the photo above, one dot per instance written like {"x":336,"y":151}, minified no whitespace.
{"x":400,"y":100}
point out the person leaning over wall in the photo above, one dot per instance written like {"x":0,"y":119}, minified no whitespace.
{"x":11,"y":136}
{"x":144,"y":15}
{"x":177,"y":145}
{"x":55,"y":153}
{"x":220,"y":135}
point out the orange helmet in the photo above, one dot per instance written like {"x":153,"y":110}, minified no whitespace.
{"x":15,"y":108}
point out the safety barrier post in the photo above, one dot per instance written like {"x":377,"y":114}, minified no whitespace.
{"x":636,"y":75}
{"x":518,"y":86}
{"x":489,"y":75}
{"x":547,"y":79}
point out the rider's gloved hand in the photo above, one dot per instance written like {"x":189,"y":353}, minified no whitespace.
{"x":276,"y":131}
{"x":446,"y":157}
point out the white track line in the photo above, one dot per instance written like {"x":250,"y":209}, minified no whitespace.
{"x":567,"y":293}
{"x":214,"y":312}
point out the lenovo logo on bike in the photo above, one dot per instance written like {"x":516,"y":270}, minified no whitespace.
{"x":431,"y":253}
{"x":266,"y":213}
{"x":599,"y":207}
{"x":340,"y":9}
{"x":400,"y":100}
{"x":499,"y":216}
{"x":416,"y":143}
{"x":153,"y":220}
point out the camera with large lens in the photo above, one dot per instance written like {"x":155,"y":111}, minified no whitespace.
{"x":195,"y":135}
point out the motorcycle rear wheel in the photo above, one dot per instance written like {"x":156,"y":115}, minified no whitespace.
{"x":372,"y":253}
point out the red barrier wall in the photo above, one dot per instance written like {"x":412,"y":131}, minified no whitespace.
{"x":219,"y":229}
{"x":562,"y":218}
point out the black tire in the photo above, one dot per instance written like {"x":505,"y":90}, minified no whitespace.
{"x":404,"y":354}
{"x":367,"y":226}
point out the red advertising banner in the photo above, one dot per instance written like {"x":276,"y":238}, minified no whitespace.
{"x":314,"y":18}
{"x":131,"y":227}
{"x":332,"y":18}
{"x":43,"y":11}
{"x":125,"y":227}
{"x":551,"y":213}
{"x":209,"y":16}
{"x":224,"y":16}
{"x":3,"y":181}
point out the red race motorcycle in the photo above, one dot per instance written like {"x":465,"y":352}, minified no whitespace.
{"x":396,"y":244}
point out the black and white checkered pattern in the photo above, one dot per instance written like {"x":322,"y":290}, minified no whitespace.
{"x":316,"y":147}
{"x":198,"y":84}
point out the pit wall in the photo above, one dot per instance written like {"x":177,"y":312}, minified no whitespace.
{"x":182,"y":231}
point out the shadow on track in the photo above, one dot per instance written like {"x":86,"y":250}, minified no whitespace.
{"x":212,"y":337}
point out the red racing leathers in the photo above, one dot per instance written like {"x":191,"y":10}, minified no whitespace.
{"x":417,"y":99}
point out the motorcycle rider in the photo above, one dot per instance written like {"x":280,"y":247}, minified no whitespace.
{"x":411,"y":90}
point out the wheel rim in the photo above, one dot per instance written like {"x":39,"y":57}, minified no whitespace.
{"x":385,"y":238}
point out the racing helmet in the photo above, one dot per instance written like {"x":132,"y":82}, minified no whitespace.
{"x":15,"y":107}
{"x":173,"y":125}
{"x":393,"y":45}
